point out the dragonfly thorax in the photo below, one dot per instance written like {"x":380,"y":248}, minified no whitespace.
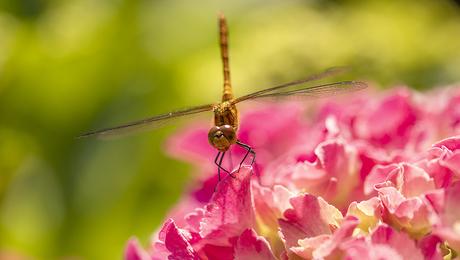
{"x":222,"y":137}
{"x":225,"y":113}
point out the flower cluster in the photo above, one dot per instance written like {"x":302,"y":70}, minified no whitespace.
{"x":374,"y":177}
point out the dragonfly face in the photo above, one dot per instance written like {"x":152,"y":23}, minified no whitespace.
{"x":222,"y":137}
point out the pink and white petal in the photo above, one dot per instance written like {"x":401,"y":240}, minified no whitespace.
{"x":231,"y":209}
{"x":251,"y":246}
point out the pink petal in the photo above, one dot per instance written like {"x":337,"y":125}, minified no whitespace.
{"x":441,"y":175}
{"x":379,"y":174}
{"x":177,"y":242}
{"x":279,"y":128}
{"x":182,"y":209}
{"x":451,"y":143}
{"x":190,"y":144}
{"x":340,"y":161}
{"x":219,"y":252}
{"x":384,"y":244}
{"x":431,"y":247}
{"x":194,"y":219}
{"x":448,"y":152}
{"x":388,"y":123}
{"x":333,"y":176}
{"x":416,"y":181}
{"x":452,"y":162}
{"x":326,"y":246}
{"x":134,"y":251}
{"x":231,"y":209}
{"x":400,"y":242}
{"x":408,"y":215}
{"x":445,"y":216}
{"x":310,"y":217}
{"x":307,"y":246}
{"x":411,"y":181}
{"x":270,"y":204}
{"x":251,"y":246}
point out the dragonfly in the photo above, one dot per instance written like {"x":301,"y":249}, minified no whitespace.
{"x":225,"y":121}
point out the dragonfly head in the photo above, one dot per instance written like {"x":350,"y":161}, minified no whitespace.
{"x":222,"y":137}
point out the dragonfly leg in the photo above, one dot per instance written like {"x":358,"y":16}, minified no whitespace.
{"x":253,"y":161}
{"x":218,"y":162}
{"x":257,"y":172}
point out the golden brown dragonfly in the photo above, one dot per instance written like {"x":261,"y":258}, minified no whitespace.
{"x":226,"y":117}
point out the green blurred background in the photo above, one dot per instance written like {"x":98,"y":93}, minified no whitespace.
{"x":68,"y":67}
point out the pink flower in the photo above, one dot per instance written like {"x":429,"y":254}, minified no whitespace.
{"x":372,"y":177}
{"x":400,"y":190}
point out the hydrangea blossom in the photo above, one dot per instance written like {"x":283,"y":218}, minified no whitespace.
{"x":370,"y":177}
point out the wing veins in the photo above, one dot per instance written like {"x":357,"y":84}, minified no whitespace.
{"x":314,"y":92}
{"x":150,"y":123}
{"x":320,"y":75}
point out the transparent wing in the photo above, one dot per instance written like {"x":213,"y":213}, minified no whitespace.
{"x":150,"y":123}
{"x":315,"y":92}
{"x":320,"y":75}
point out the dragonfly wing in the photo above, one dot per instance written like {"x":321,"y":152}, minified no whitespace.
{"x":320,"y":75}
{"x":150,"y":123}
{"x":315,"y":92}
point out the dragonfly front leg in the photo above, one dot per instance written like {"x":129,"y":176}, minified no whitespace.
{"x":253,"y":161}
{"x":218,"y":162}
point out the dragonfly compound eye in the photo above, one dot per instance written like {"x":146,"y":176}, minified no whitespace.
{"x":222,"y":137}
